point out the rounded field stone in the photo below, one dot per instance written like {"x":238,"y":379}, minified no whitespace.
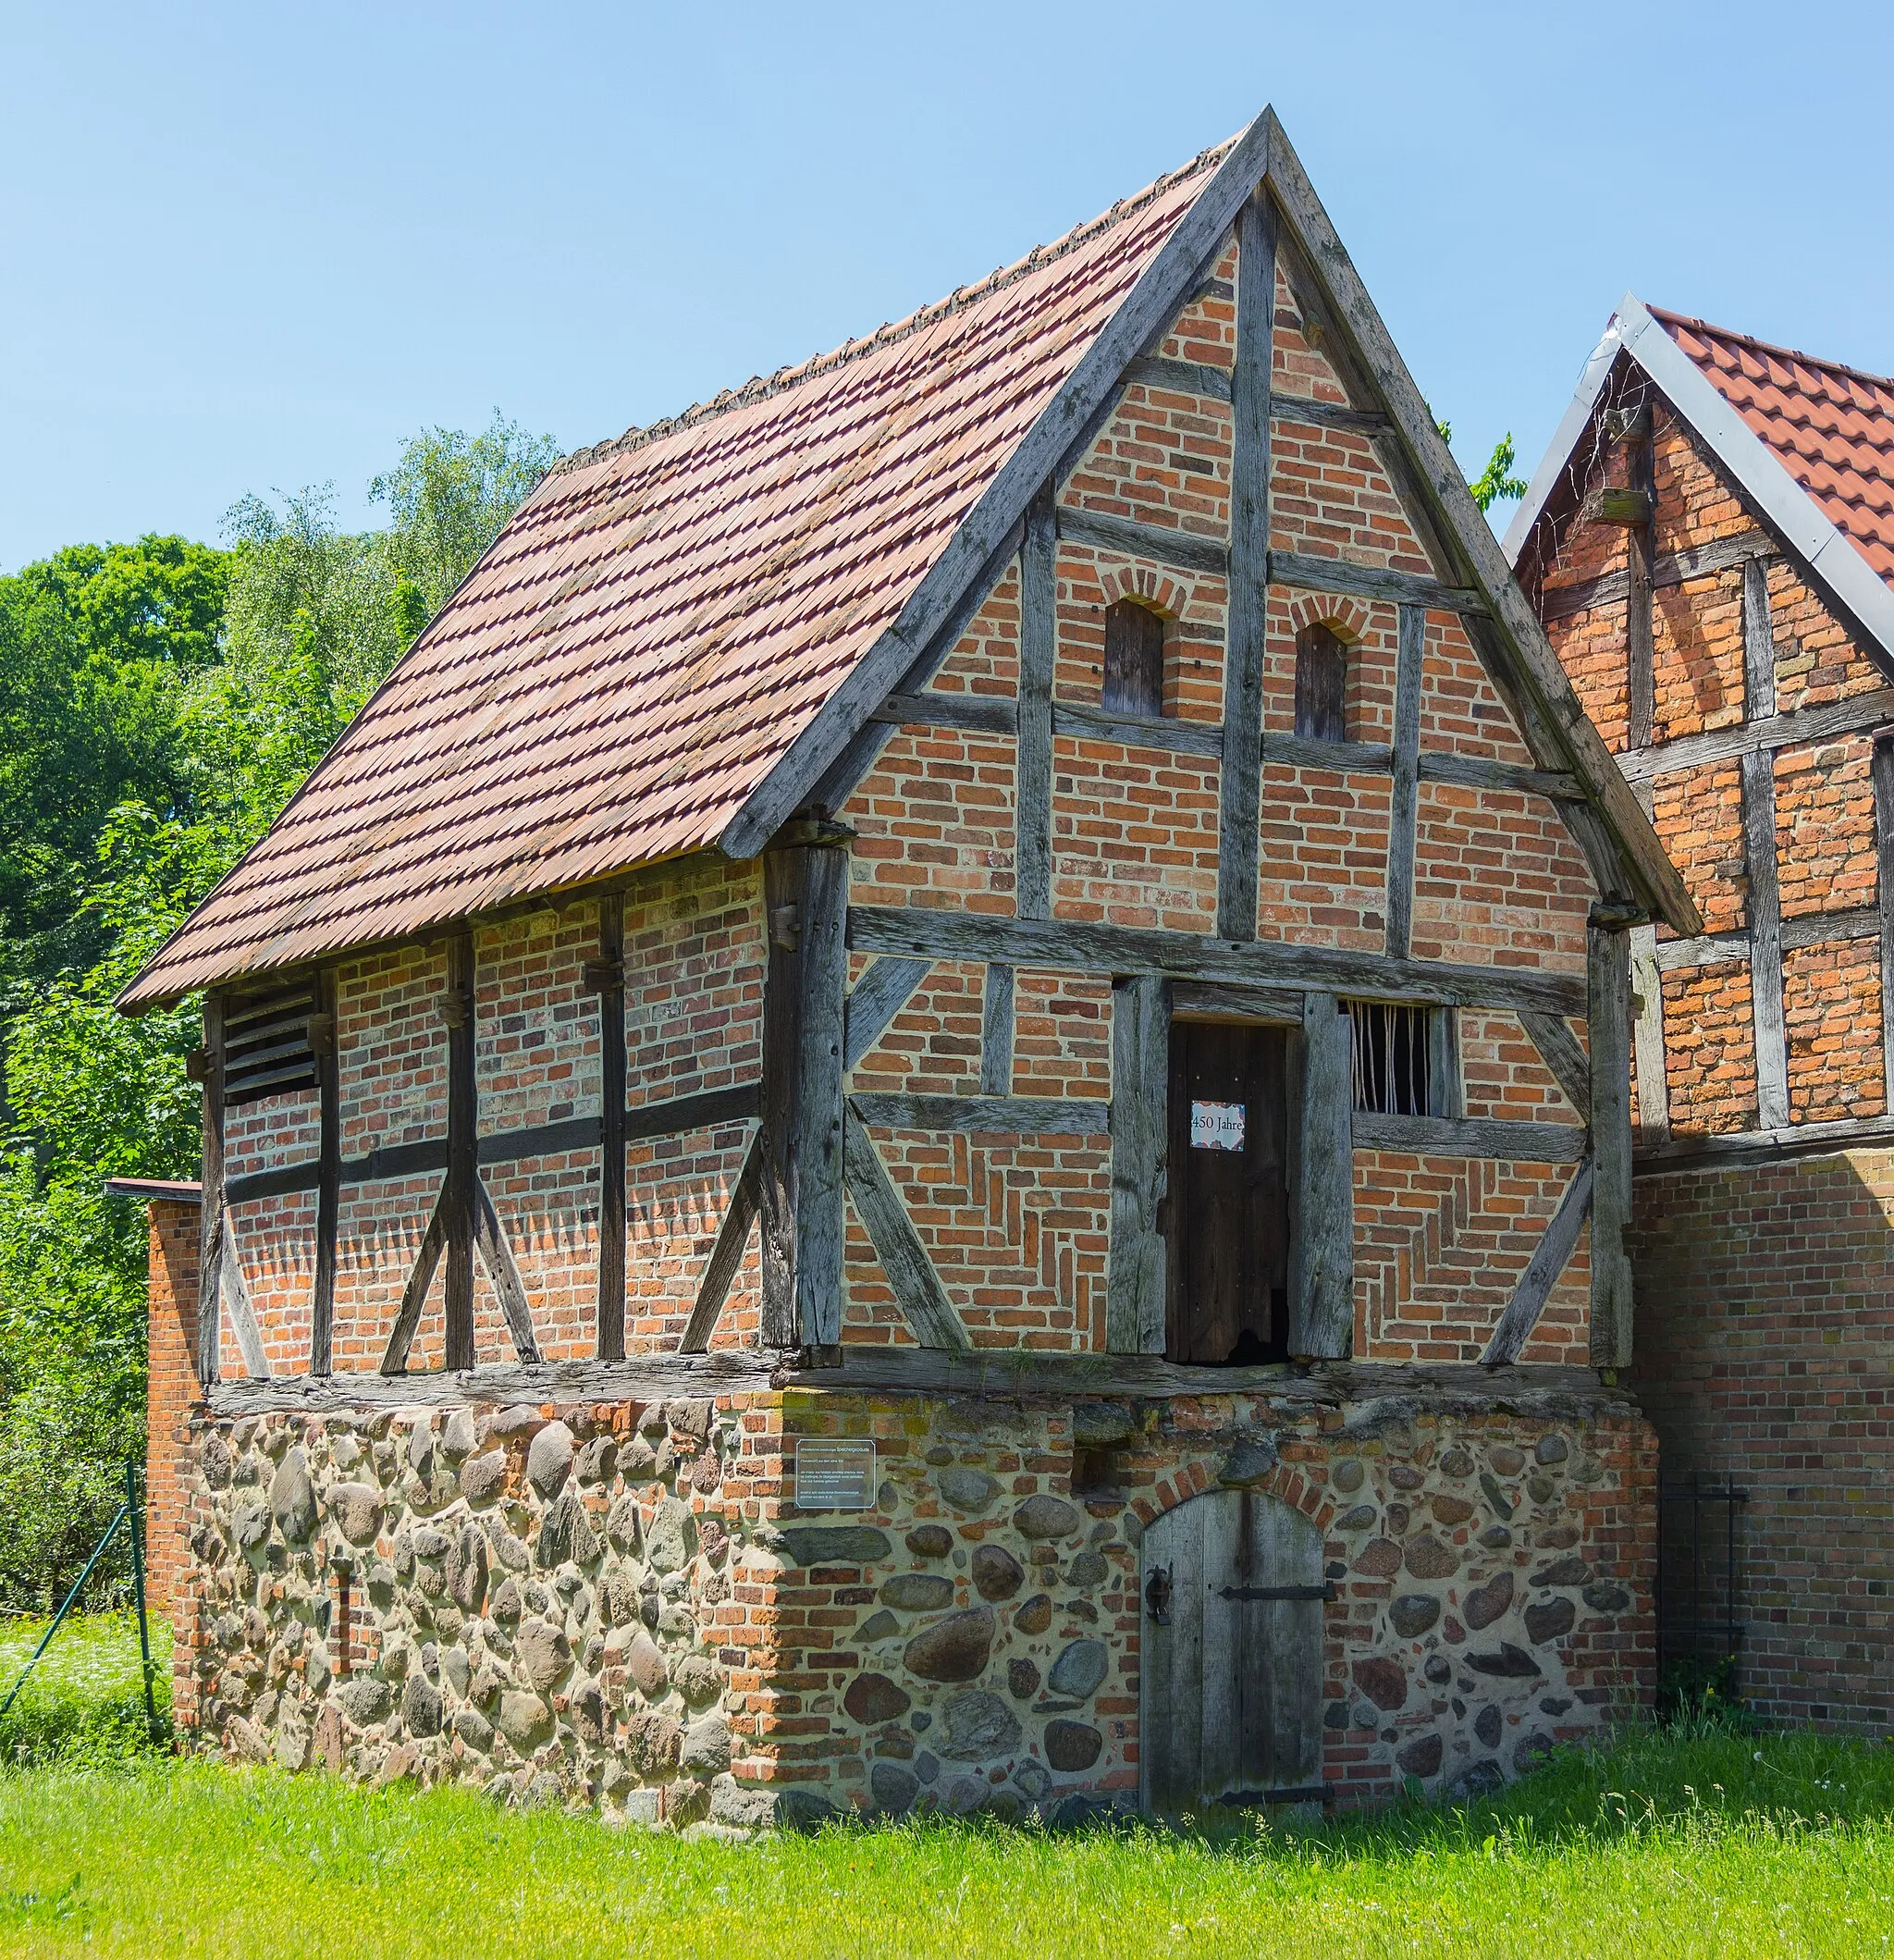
{"x":1486,"y":1603}
{"x":1603,"y":1599}
{"x":1046,"y":1516}
{"x":1404,"y":1476}
{"x":1563,"y":1571}
{"x":1078,"y":1670}
{"x":954,"y":1648}
{"x":877,"y":1626}
{"x":1422,"y":1757}
{"x":467,"y":1569}
{"x":1413,"y":1613}
{"x":1073,"y":1746}
{"x":1087,"y":1571}
{"x":1495,"y":1537}
{"x":549,"y":1460}
{"x":645,"y":1663}
{"x":1557,"y":1538}
{"x":366,"y":1700}
{"x":918,"y":1591}
{"x":1437,"y":1671}
{"x":1022,"y":1680}
{"x":1550,"y":1620}
{"x":1346,"y":1475}
{"x":525,"y":1720}
{"x":1456,"y":1464}
{"x":874,"y":1698}
{"x":1541,"y":1488}
{"x":697,"y":1678}
{"x":1358,"y":1517}
{"x":1451,"y":1511}
{"x":668,"y":1537}
{"x":1382,"y":1680}
{"x":1032,"y":1778}
{"x":930,"y":1541}
{"x":1034,"y":1615}
{"x":565,"y":1534}
{"x":1506,"y":1459}
{"x":968,"y":1490}
{"x":1428,"y":1558}
{"x":892,"y":1787}
{"x":1552,"y":1449}
{"x":1380,"y":1559}
{"x":1252,"y":1459}
{"x":542,"y":1651}
{"x":357,"y":1508}
{"x":1479,"y":1779}
{"x":977,"y":1725}
{"x":1511,"y":1663}
{"x":292,"y":1498}
{"x":1486,"y":1726}
{"x":997,"y":1574}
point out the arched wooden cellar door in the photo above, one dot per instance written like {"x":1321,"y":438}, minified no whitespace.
{"x":1230,"y":1672}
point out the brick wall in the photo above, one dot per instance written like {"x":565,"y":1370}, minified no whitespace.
{"x":1765,"y":1343}
{"x":172,"y":1391}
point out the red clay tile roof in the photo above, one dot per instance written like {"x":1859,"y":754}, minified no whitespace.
{"x":1831,"y":428}
{"x":663,"y":616}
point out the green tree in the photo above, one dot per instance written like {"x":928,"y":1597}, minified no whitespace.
{"x":1497,"y":483}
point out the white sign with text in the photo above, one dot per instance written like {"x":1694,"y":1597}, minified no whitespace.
{"x":1216,"y":1126}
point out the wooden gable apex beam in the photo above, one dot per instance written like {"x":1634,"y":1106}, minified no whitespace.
{"x":1141,"y":319}
{"x":1512,"y":643}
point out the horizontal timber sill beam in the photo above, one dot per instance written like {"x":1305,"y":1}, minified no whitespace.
{"x":1807,"y":929}
{"x":1855,"y":715}
{"x":1198,"y":378}
{"x":998,"y":1115}
{"x":643,"y":1122}
{"x":1765,"y":1146}
{"x":991,"y":715}
{"x":1157,"y":542}
{"x":923,"y":932}
{"x":1470,"y":1137}
{"x":1549,"y":1389}
{"x":1309,"y":573}
{"x":1722,"y":554}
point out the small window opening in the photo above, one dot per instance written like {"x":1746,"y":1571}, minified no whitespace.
{"x":1405,"y":1064}
{"x":1134,"y":683}
{"x":1095,"y":1471}
{"x":1322,"y":684}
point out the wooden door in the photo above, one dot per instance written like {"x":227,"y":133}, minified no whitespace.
{"x":1230,"y":1661}
{"x":1227,"y":1212}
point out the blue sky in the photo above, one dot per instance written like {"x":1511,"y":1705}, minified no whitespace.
{"x":252,"y":248}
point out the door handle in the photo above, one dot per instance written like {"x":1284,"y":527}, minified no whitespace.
{"x":1157,"y":1594}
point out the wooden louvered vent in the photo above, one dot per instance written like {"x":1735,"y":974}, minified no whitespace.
{"x":270,"y":1042}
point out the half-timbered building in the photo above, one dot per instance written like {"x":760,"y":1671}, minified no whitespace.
{"x":1710,"y":542}
{"x":934,"y":1109}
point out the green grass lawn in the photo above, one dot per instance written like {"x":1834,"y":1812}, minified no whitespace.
{"x":1718,"y":1844}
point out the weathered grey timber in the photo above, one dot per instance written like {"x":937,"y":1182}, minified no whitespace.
{"x":211,"y":1209}
{"x":1767,"y":1146}
{"x":727,"y":1250}
{"x":1640,"y":612}
{"x":874,"y":1001}
{"x":457,"y":1194}
{"x":785,"y":879}
{"x":496,"y":1258}
{"x":1561,"y":1052}
{"x":1246,"y":636}
{"x":1368,"y":758}
{"x":1024,"y":1115}
{"x":1759,"y":856}
{"x":1404,"y":806}
{"x":1608,"y":981}
{"x":394,"y":1361}
{"x":1444,"y":1066}
{"x":1481,"y":773}
{"x":1196,"y":378}
{"x":1306,"y":410}
{"x":911,"y":1274}
{"x":1549,"y":1258}
{"x":1181,"y":378}
{"x":1470,"y":1137}
{"x":980,"y":714}
{"x":1140,"y":1076}
{"x":815,"y":1118}
{"x":1141,"y":319}
{"x":233,"y":1290}
{"x":1167,"y":732}
{"x":1795,"y":730}
{"x":1758,"y":644}
{"x":610,"y":1323}
{"x":1321,"y":1274}
{"x":1557,"y":602}
{"x":328,"y":1175}
{"x":1375,"y":1391}
{"x":936,"y":933}
{"x":1647,"y":1036}
{"x":1311,"y":573}
{"x":1807,"y":929}
{"x":1032,"y":782}
{"x":1881,"y":771}
{"x":1188,"y":551}
{"x":1204,"y":1001}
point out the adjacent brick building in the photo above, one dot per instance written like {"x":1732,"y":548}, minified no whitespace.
{"x":1709,"y":543}
{"x":935,"y":1109}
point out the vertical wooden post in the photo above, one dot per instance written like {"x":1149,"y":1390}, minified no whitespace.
{"x":1322,"y":1265}
{"x":210,"y":1260}
{"x":1640,"y":622}
{"x":1883,"y":772}
{"x":329,"y":1190}
{"x":1039,"y":639}
{"x":996,"y":1034}
{"x":458,"y":1012}
{"x":1607,"y":990}
{"x":1240,"y":791}
{"x":1759,"y":854}
{"x":610,"y":978}
{"x":1404,"y":804}
{"x":1647,"y":1005}
{"x":805,"y":900}
{"x":1140,"y":1140}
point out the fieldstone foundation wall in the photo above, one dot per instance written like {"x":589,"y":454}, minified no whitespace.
{"x":623,"y":1605}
